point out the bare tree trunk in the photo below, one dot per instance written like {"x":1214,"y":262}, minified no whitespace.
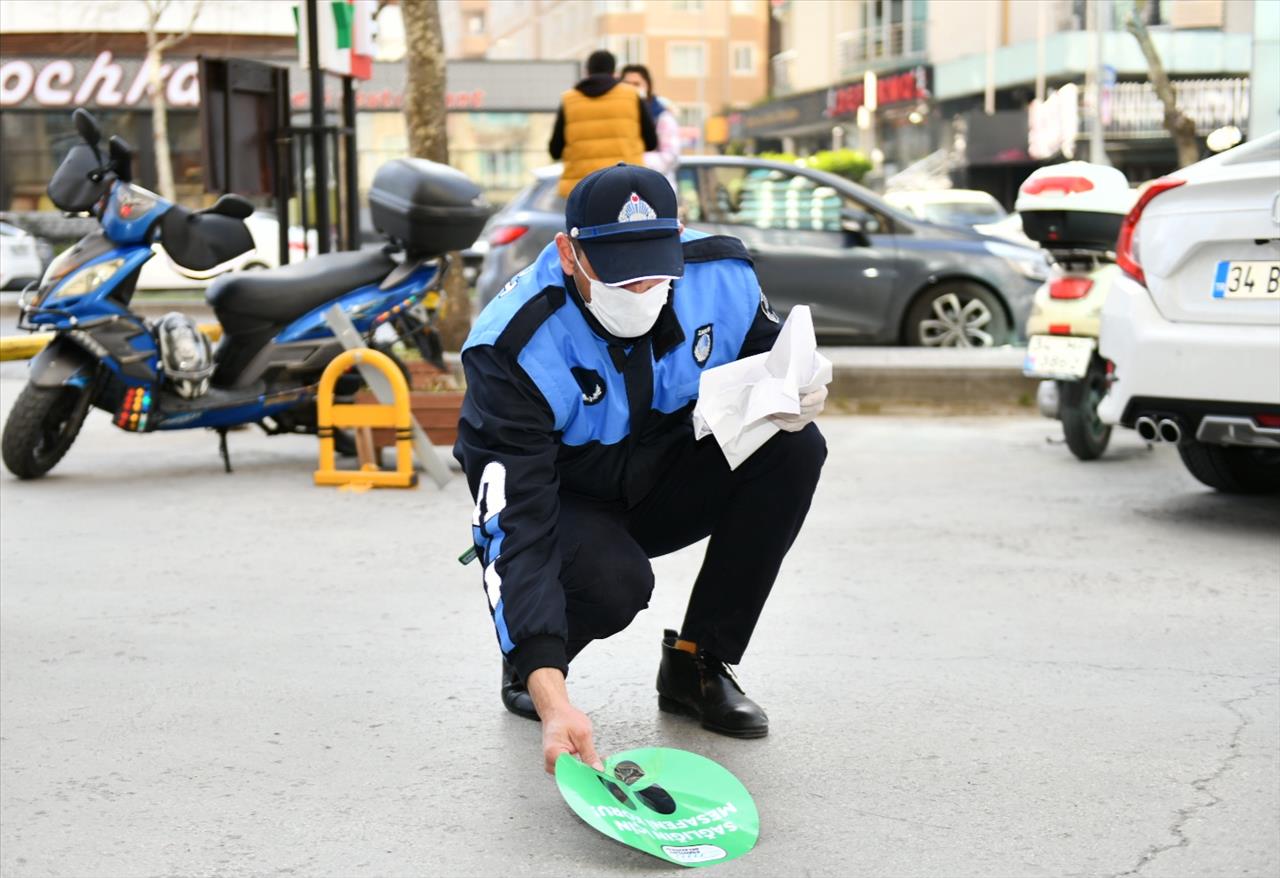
{"x":159,"y":121}
{"x":1179,"y":125}
{"x":424,"y":119}
{"x":156,"y":47}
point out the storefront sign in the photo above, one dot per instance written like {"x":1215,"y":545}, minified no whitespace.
{"x":779,"y":115}
{"x":100,"y":82}
{"x":907,"y":86}
{"x":345,"y":34}
{"x":108,"y":82}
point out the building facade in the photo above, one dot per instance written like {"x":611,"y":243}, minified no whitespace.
{"x":706,"y":56}
{"x":500,"y":114}
{"x":962,"y":79}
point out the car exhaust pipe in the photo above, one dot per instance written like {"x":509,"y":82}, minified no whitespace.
{"x":1170,"y":430}
{"x":1147,"y":429}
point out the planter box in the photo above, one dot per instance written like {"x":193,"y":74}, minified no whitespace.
{"x":437,"y":413}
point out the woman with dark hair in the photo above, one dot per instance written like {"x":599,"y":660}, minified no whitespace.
{"x":666,"y":157}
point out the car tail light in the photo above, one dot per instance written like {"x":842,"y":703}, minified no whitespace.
{"x":1126,"y":255}
{"x":1065,"y":185}
{"x":506,"y":234}
{"x":1059,"y":328}
{"x":1272,"y":421}
{"x":1070,"y":287}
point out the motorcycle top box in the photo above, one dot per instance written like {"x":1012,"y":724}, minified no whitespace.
{"x":426,"y":207}
{"x":1074,"y":205}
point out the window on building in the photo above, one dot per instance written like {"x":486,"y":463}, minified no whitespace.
{"x":781,"y":63}
{"x":686,"y":5}
{"x":627,"y":48}
{"x":1156,"y":12}
{"x":851,"y":52}
{"x":686,"y":59}
{"x":691,"y":115}
{"x":475,"y":23}
{"x":744,"y":59}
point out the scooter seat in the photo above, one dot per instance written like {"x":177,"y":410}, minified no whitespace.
{"x":279,"y":295}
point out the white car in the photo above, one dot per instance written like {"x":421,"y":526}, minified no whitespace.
{"x":949,"y":207}
{"x":160,"y":273}
{"x":20,"y":261}
{"x":1193,"y":324}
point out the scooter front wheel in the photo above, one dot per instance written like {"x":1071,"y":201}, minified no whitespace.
{"x":42,"y":425}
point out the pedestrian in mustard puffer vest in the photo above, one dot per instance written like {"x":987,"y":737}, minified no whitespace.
{"x":602,"y":121}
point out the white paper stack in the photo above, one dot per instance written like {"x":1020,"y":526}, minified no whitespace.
{"x":735,"y":400}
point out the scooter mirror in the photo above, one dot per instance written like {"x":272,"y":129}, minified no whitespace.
{"x":121,"y":157}
{"x":87,"y":126}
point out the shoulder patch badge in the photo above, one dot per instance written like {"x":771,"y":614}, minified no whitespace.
{"x":511,"y":284}
{"x":591,"y":383}
{"x":702,"y":344}
{"x":766,"y":308}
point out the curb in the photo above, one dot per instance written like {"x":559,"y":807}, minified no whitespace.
{"x":911,"y":380}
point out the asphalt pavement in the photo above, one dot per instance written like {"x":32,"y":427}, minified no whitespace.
{"x":982,"y":658}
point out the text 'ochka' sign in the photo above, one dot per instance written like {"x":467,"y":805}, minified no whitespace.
{"x":895,"y":88}
{"x":104,"y":82}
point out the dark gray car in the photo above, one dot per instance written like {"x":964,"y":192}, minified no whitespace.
{"x":871,"y":273}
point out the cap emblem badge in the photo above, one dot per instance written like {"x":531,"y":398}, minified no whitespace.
{"x":636,"y":209}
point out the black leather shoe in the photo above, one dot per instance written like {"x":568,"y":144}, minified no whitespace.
{"x":515,"y":697}
{"x":703,"y":687}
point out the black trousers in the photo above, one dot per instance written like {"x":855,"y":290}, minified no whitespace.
{"x":752,"y":515}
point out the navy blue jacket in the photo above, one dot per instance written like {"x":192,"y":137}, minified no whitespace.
{"x":556,"y":404}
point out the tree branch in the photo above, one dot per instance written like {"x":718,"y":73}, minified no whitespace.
{"x":173,"y":39}
{"x":1179,"y":125}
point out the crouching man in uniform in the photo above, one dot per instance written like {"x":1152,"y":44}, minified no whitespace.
{"x":578,"y":447}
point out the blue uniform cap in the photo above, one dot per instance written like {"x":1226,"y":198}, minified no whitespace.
{"x":627,"y":221}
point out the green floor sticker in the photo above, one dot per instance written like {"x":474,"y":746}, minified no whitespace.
{"x":673,"y":804}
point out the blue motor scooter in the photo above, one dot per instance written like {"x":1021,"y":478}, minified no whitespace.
{"x":275,"y":342}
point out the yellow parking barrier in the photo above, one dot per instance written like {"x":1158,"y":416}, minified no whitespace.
{"x":24,"y":347}
{"x":397,"y":415}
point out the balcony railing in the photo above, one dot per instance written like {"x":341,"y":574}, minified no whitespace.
{"x":861,"y":49}
{"x":782,"y":79}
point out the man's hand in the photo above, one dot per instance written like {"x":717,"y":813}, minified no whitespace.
{"x":811,"y":405}
{"x":565,"y":729}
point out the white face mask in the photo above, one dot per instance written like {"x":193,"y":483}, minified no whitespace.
{"x":623,"y":313}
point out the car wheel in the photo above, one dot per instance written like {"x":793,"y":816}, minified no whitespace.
{"x":1233,"y":470}
{"x":957,"y":314}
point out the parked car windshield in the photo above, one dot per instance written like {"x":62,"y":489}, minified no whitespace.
{"x":960,"y":213}
{"x":545,"y":196}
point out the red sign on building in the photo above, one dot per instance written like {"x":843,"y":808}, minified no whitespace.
{"x":907,"y":86}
